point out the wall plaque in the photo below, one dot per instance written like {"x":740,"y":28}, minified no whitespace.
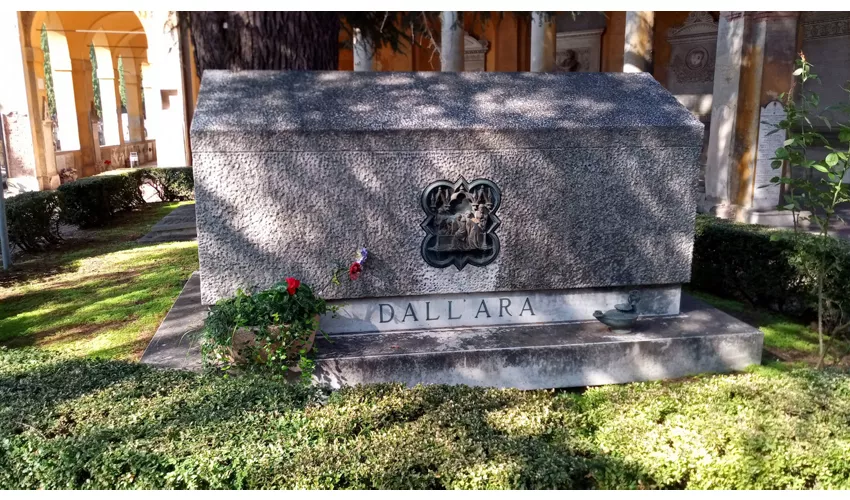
{"x":461,"y":222}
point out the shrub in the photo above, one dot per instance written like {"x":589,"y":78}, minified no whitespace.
{"x":97,"y":424}
{"x":93,"y":201}
{"x":33,"y":220}
{"x":171,"y":184}
{"x":773,"y":269}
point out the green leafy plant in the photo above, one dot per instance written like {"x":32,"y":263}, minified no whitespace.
{"x":170,"y":184}
{"x":272,"y":330}
{"x":33,"y":220}
{"x":94,"y":201}
{"x":69,"y":423}
{"x":820,"y":193}
{"x":777,"y":270}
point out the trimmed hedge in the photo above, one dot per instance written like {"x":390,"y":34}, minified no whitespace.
{"x":78,"y":423}
{"x":33,"y":220}
{"x":171,"y":183}
{"x":769,"y":268}
{"x":93,"y":201}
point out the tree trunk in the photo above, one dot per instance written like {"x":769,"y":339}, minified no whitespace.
{"x":265,"y":40}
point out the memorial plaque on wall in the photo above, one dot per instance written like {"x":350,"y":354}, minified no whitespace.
{"x":766,"y":194}
{"x":693,"y":48}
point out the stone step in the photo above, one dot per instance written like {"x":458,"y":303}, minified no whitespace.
{"x":700,"y":339}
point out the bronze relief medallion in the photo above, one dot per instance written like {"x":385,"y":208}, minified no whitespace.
{"x":461,"y":222}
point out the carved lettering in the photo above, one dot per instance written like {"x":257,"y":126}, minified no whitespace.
{"x":409,"y":312}
{"x":450,"y":312}
{"x":483,"y":307}
{"x":428,"y":312}
{"x":527,"y":307}
{"x":392,"y":313}
{"x":504,"y":307}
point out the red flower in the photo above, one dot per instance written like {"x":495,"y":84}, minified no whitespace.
{"x":354,"y":271}
{"x":107,"y":162}
{"x":292,"y":285}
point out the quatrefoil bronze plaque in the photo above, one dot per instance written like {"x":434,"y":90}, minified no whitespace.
{"x":461,"y":222}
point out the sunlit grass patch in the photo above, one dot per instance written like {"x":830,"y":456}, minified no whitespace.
{"x":105,"y":297}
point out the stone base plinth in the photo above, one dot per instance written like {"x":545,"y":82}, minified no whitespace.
{"x":700,"y":339}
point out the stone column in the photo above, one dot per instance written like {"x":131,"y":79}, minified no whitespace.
{"x":724,"y":110}
{"x":152,"y":100}
{"x":364,"y":52}
{"x":755,"y":55}
{"x":543,"y":41}
{"x":49,"y":177}
{"x":134,"y":102}
{"x":116,"y":82}
{"x":32,"y":102}
{"x":451,"y":51}
{"x":637,"y":51}
{"x":84,"y":97}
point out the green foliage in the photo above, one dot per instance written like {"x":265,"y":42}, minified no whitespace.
{"x":743,"y":262}
{"x":777,"y":270}
{"x":818,"y":194}
{"x":171,"y":183}
{"x":122,"y":86}
{"x":97,"y":424}
{"x":101,"y":294}
{"x":48,"y":73}
{"x":34,"y":217}
{"x":93,"y":201}
{"x":33,"y":220}
{"x":279,"y":321}
{"x":95,"y":82}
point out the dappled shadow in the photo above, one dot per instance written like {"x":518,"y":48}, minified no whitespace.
{"x":613,"y":182}
{"x":171,"y":429}
{"x":98,"y":304}
{"x":79,"y":244}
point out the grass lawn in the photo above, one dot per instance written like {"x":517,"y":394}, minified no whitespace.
{"x":78,"y":411}
{"x":102,"y":294}
{"x":785,"y":339}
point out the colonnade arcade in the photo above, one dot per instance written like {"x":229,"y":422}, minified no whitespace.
{"x":93,"y":84}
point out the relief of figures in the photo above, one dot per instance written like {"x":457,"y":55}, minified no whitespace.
{"x":461,"y":223}
{"x":461,"y":218}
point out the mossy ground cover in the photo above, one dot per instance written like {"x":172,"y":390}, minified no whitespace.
{"x":70,"y":422}
{"x":77,"y":411}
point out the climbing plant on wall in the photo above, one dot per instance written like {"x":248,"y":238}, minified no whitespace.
{"x":122,"y":88}
{"x":95,"y":83}
{"x":48,"y":73}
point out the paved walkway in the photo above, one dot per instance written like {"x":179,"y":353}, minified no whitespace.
{"x":175,"y":343}
{"x":179,"y":225}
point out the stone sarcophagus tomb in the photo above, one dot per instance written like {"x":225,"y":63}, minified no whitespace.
{"x":500,"y":210}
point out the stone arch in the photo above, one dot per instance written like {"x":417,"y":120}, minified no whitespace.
{"x":65,"y":122}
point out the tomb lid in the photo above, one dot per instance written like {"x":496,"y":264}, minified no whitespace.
{"x":256,"y":111}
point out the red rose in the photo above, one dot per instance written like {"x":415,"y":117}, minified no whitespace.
{"x":292,"y":285}
{"x":354,"y":271}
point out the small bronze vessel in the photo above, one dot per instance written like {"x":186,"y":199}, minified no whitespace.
{"x":623,"y":317}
